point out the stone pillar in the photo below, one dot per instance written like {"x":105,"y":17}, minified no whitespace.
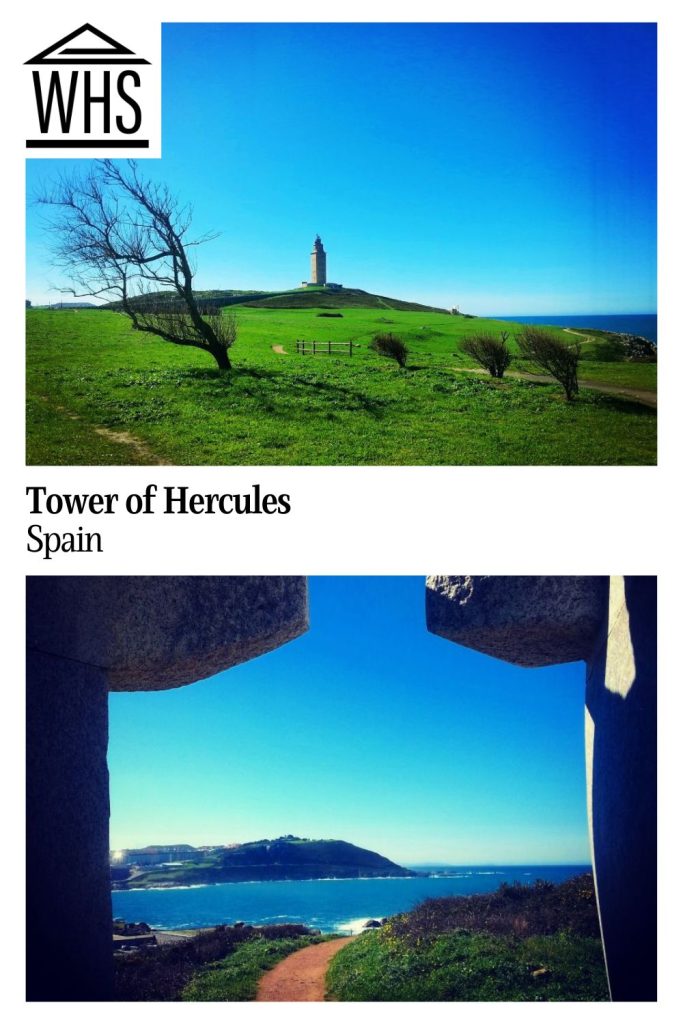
{"x":86,"y":636}
{"x":611,"y":625}
{"x":621,"y":771}
{"x":68,"y":907}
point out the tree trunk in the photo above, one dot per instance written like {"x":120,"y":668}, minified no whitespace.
{"x":220,"y":354}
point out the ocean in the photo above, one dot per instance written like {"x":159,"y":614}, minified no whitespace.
{"x":642,"y":324}
{"x":332,"y":905}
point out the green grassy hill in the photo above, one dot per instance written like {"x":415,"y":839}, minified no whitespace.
{"x":315,"y":296}
{"x":343,"y":298}
{"x":307,"y":858}
{"x":284,"y":859}
{"x":101,"y":393}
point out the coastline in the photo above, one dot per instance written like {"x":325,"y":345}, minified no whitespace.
{"x":316,"y":903}
{"x":643,"y":324}
{"x":118,"y":887}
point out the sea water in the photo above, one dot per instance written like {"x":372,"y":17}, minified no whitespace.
{"x":643,"y":325}
{"x":332,"y":905}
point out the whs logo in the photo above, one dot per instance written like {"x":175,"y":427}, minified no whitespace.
{"x":89,"y":92}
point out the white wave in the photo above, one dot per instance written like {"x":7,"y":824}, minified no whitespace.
{"x":353,"y":927}
{"x":450,"y":874}
{"x":359,"y":878}
{"x":163,"y":888}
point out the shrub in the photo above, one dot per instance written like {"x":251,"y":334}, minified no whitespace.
{"x":490,"y":352}
{"x":637,"y":349}
{"x":518,"y":910}
{"x":557,"y":357}
{"x":390,"y":346}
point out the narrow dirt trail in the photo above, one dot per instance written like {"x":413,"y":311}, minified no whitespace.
{"x":141,"y":449}
{"x":635,"y":394}
{"x":586,"y":337}
{"x":300,"y":978}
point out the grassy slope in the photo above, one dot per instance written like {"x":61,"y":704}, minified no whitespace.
{"x":299,"y":298}
{"x":325,"y":410}
{"x":469,"y":967}
{"x":320,"y":298}
{"x":521,"y":943}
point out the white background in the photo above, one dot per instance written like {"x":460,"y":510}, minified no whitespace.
{"x":359,"y":520}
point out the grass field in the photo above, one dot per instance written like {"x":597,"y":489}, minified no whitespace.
{"x":100,"y":393}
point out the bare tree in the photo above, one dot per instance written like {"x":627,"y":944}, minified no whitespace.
{"x":490,"y":352}
{"x":122,"y":237}
{"x":390,"y":346}
{"x":557,"y":357}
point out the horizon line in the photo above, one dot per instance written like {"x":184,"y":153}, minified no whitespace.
{"x":483,"y":316}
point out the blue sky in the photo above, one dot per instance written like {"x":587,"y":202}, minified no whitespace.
{"x":503,"y":168}
{"x":367,"y":729}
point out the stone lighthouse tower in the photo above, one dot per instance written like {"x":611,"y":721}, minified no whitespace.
{"x":318,"y":263}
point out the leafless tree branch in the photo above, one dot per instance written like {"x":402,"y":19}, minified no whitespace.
{"x":123,"y":237}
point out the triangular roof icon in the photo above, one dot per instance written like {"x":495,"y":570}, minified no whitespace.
{"x":90,"y":51}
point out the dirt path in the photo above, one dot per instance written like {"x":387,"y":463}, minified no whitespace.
{"x":141,"y":448}
{"x":586,"y":337}
{"x":300,"y":978}
{"x":635,"y":394}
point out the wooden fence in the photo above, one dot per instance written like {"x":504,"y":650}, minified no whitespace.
{"x":319,"y":348}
